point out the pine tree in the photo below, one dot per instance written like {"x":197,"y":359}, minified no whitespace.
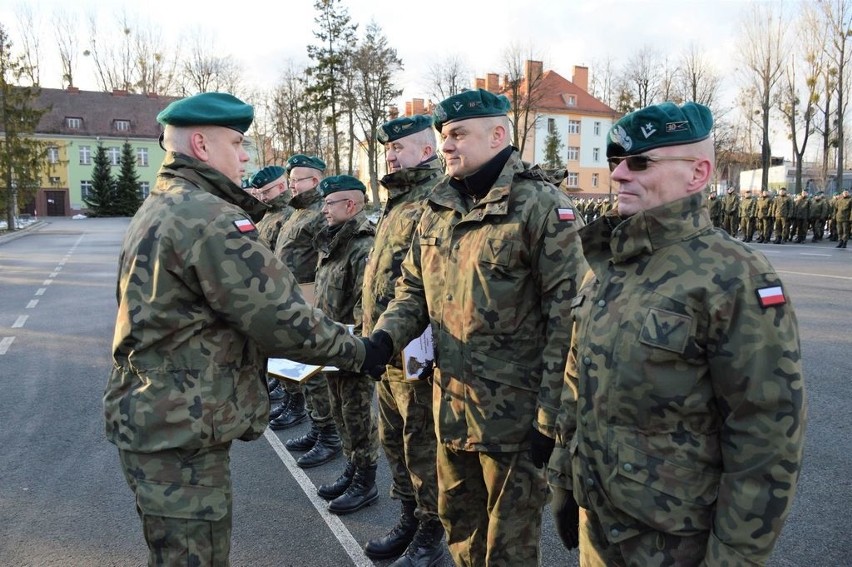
{"x":21,"y":155}
{"x":101,"y":200}
{"x":553,"y":150}
{"x":127,"y":193}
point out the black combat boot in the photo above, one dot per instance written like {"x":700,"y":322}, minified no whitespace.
{"x":844,"y":243}
{"x":339,"y":486}
{"x":362,"y":492}
{"x":393,"y":543}
{"x":278,"y":393}
{"x":277,"y":409}
{"x":327,"y":447}
{"x":427,"y":547}
{"x":293,"y":414}
{"x":839,"y":244}
{"x":306,"y":442}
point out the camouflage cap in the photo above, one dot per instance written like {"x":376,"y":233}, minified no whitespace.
{"x":402,"y":127}
{"x":469,"y":104}
{"x":657,"y":126}
{"x":337,"y":183}
{"x":301,"y":160}
{"x":266,"y":176}
{"x":209,"y":109}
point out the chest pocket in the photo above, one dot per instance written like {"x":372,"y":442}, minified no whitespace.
{"x":497,"y":251}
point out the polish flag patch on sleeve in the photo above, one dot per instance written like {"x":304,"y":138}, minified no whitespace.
{"x":565,"y":214}
{"x":769,"y":296}
{"x":244,"y":225}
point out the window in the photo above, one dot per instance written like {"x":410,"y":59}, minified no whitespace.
{"x":573,"y":153}
{"x":596,"y":154}
{"x":85,"y":155}
{"x":572,"y":100}
{"x":54,"y":180}
{"x":573,"y":126}
{"x":86,"y":189}
{"x":573,"y":179}
{"x":595,"y":177}
{"x":73,"y":122}
{"x":142,"y":157}
{"x":144,"y":188}
{"x":122,"y":125}
{"x":551,"y":125}
{"x":114,"y":154}
{"x":53,"y":154}
{"x":597,"y":128}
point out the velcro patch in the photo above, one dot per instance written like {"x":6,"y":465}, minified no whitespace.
{"x":769,"y":296}
{"x":244,"y":225}
{"x":566,"y":214}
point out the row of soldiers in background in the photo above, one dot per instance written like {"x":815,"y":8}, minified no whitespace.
{"x":789,"y":219}
{"x":592,"y":208}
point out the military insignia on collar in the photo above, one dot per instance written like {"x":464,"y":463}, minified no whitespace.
{"x":681,"y":126}
{"x":770,"y":296}
{"x":620,"y":137}
{"x":244,"y":225}
{"x":565,"y":214}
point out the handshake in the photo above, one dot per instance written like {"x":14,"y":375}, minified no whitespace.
{"x":379,"y":350}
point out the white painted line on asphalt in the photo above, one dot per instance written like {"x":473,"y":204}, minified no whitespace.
{"x":41,"y":290}
{"x":62,"y":262}
{"x":350,"y":545}
{"x":53,"y":274}
{"x":58,"y":269}
{"x":815,"y":275}
{"x":19,"y":322}
{"x":46,"y":282}
{"x":5,"y":344}
{"x":812,"y":254}
{"x":32,"y":303}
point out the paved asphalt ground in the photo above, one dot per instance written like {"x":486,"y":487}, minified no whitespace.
{"x":64,"y":502}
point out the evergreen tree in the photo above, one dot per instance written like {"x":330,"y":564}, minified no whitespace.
{"x":101,"y":200}
{"x":127,"y":194}
{"x":553,"y":150}
{"x":21,"y":155}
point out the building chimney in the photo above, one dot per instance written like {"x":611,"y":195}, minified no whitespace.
{"x":492,"y":83}
{"x":71,"y":89}
{"x":532,"y":72}
{"x":417,"y":106}
{"x":480,"y":83}
{"x":581,"y":77}
{"x":119,"y":92}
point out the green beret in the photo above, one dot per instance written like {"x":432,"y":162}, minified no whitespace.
{"x":402,"y":127}
{"x":658,"y":126}
{"x":337,"y":183}
{"x":301,"y":160}
{"x":469,"y":104}
{"x":209,"y":109}
{"x":266,"y":176}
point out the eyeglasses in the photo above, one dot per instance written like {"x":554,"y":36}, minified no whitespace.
{"x":330,"y":203}
{"x":293,"y":180}
{"x":640,"y":162}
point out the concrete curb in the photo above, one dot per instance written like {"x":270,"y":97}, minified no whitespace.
{"x":9,"y":236}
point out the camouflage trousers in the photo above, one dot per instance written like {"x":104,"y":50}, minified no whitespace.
{"x":407,"y":431}
{"x":490,"y":505}
{"x":315,"y":390}
{"x":184,"y":500}
{"x":649,"y":549}
{"x":351,"y":399}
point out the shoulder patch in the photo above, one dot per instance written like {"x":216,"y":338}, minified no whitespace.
{"x":565,"y":214}
{"x":770,"y":296}
{"x":244,"y":225}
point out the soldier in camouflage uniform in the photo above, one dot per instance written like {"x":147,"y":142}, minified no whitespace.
{"x":801,"y":212}
{"x":201,"y":304}
{"x":818,"y":214}
{"x":683,"y":412}
{"x":406,"y":427}
{"x":748,"y":213}
{"x":782,"y":210}
{"x":492,"y":267}
{"x":842,"y":217}
{"x":764,"y":217}
{"x":269,"y":185}
{"x":716,"y":212}
{"x":731,"y":208}
{"x":296,"y":247}
{"x":343,"y":245}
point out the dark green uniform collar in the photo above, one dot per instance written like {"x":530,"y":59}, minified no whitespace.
{"x":306,"y":199}
{"x":495,"y":201}
{"x":400,"y":182}
{"x":330,"y":237}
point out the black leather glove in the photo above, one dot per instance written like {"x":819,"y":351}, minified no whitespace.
{"x":541,"y":447}
{"x":566,"y":517}
{"x":379,"y":349}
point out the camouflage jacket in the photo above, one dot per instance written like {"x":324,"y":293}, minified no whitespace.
{"x":819,"y":209}
{"x":278,"y":213}
{"x":340,"y":271}
{"x":408,"y":190}
{"x":496,"y":283}
{"x":716,"y":208}
{"x":782,"y":207}
{"x":801,"y":206}
{"x":295,"y":244}
{"x":731,"y":204}
{"x":201,"y":304}
{"x":684,"y":407}
{"x":748,"y":207}
{"x":843,"y":209}
{"x":764,"y":207}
